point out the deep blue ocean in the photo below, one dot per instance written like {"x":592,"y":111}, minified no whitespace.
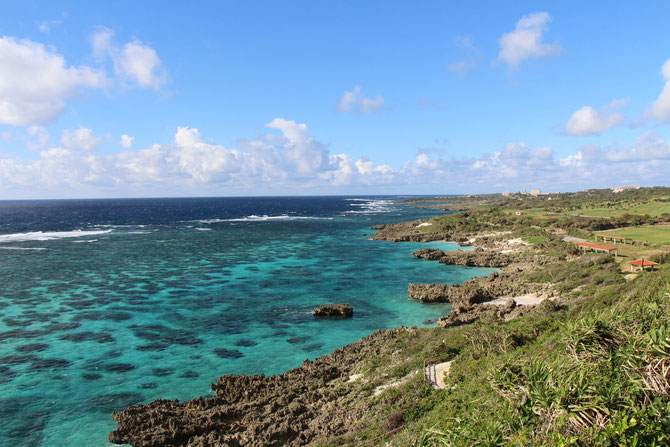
{"x":108,"y":303}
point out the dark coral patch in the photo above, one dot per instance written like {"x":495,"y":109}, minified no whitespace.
{"x":245,"y":342}
{"x":149,"y":385}
{"x":13,"y":322}
{"x":189,"y":375}
{"x":32,"y":347}
{"x":49,"y":364}
{"x":61,"y":327}
{"x":7,"y":374}
{"x":295,"y":340}
{"x":82,"y":336}
{"x":119,"y":367}
{"x":97,"y":315}
{"x":228,"y":353}
{"x":152,"y":347}
{"x":91,"y":376}
{"x":160,"y":372}
{"x":17,"y":359}
{"x":21,"y":333}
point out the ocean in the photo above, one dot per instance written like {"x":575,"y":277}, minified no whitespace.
{"x":109,"y":303}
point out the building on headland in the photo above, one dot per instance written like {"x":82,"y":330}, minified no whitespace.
{"x":535,"y":192}
{"x":619,"y":189}
{"x":505,"y":193}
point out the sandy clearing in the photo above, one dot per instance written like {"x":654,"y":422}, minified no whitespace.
{"x":380,"y":389}
{"x":529,"y":299}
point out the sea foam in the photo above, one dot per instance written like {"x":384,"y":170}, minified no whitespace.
{"x":48,"y":235}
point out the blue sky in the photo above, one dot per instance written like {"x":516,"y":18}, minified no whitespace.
{"x":258,"y":98}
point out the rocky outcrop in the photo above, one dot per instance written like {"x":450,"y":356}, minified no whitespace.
{"x":430,"y":254}
{"x":442,"y":293}
{"x":476,"y":258}
{"x":334,"y":310}
{"x":506,"y":312}
{"x":304,"y":406}
{"x":471,"y":258}
{"x":474,"y":291}
{"x":409,"y":232}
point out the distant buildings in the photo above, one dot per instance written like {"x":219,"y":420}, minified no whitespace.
{"x":619,"y":189}
{"x":535,"y":192}
{"x":505,"y":193}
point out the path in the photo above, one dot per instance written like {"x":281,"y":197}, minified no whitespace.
{"x":434,"y":374}
{"x":573,"y":239}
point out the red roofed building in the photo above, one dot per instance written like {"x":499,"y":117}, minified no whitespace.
{"x":641,"y":264}
{"x":588,"y":246}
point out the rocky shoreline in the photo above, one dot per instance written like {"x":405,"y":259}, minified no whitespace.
{"x":321,"y":399}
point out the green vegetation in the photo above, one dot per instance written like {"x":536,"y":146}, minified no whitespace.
{"x":659,"y":234}
{"x":590,"y":368}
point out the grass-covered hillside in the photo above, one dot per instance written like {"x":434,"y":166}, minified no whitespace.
{"x":590,"y":369}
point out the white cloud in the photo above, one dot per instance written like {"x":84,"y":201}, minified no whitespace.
{"x":660,"y":109}
{"x":81,"y":139}
{"x":101,"y":42}
{"x":526,"y":41}
{"x":354,"y":102}
{"x":290,"y":160}
{"x":127,"y":141}
{"x":136,"y":63}
{"x":141,"y":64}
{"x":35,"y":82}
{"x":589,"y":121}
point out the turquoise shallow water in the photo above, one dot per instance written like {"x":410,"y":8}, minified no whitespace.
{"x":102,"y":310}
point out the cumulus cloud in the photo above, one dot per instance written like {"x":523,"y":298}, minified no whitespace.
{"x":354,"y":102}
{"x":134,"y":62}
{"x":35,"y":82}
{"x":288,"y":159}
{"x":127,"y":141}
{"x":526,"y":41}
{"x":589,"y":121}
{"x":660,"y":109}
{"x":81,"y":139}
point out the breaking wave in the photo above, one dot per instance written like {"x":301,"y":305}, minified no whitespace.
{"x":48,"y":235}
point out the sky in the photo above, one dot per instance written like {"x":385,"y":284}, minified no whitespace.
{"x":159,"y":98}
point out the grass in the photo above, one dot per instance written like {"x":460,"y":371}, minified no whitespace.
{"x":596,"y":374}
{"x":652,"y":208}
{"x":591,"y":368}
{"x":656,"y":234}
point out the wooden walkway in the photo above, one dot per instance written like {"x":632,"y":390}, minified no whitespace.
{"x":434,"y":374}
